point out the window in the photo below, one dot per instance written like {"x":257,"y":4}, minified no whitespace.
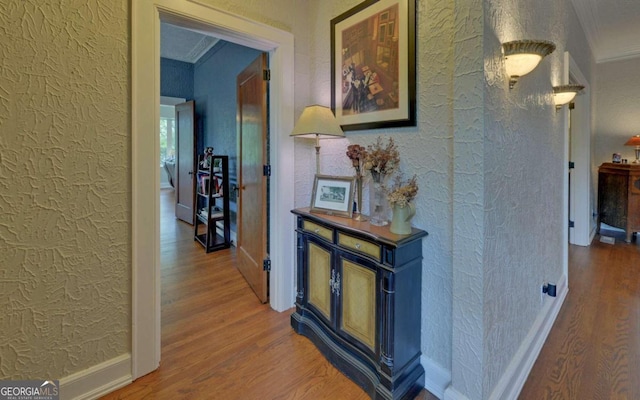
{"x":167,"y":133}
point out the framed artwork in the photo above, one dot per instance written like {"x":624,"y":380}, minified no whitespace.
{"x":373,"y":65}
{"x":333,"y":195}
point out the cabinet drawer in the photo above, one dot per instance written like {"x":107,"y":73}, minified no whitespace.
{"x":318,"y":230}
{"x":359,"y":245}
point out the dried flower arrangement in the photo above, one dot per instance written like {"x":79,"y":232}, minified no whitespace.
{"x":402,"y":192}
{"x":380,"y":159}
{"x":357,"y":155}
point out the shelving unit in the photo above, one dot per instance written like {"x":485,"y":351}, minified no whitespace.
{"x":212,"y":221}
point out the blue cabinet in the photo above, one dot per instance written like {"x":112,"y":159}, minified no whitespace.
{"x":359,"y":301}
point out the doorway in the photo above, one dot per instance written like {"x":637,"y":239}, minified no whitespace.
{"x":145,"y":204}
{"x":579,"y":197}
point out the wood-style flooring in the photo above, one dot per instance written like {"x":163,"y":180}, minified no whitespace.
{"x":219,"y":342}
{"x":593,"y":349}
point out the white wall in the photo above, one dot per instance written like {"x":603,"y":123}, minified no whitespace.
{"x":617,"y":101}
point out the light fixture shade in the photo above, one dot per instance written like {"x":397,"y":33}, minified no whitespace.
{"x":565,"y":93}
{"x":523,"y":56}
{"x":634,"y":141}
{"x":317,"y":121}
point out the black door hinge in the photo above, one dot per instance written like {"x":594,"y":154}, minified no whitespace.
{"x":572,"y":165}
{"x":572,"y":224}
{"x":266,"y":264}
{"x":266,"y":74}
{"x":266,"y":170}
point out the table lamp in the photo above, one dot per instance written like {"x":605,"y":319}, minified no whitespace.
{"x":635,"y":141}
{"x":319,"y":122}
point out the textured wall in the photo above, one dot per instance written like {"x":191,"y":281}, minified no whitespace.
{"x":215,"y":95}
{"x":524,"y":157}
{"x":176,"y":79}
{"x":64,"y":186}
{"x":617,"y":94}
{"x":468,"y":200}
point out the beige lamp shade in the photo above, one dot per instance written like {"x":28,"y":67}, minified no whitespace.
{"x":317,"y":121}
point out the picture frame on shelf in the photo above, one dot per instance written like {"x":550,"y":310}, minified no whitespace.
{"x":333,"y":195}
{"x":373,"y":65}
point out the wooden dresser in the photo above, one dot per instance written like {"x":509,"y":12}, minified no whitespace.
{"x":619,"y":197}
{"x":358,"y":301}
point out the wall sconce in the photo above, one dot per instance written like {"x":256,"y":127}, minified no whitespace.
{"x":523,"y":56}
{"x":635,"y":141}
{"x":565,"y":93}
{"x":317,"y":122}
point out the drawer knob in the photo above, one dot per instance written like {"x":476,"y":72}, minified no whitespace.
{"x":357,"y":246}
{"x":316,"y":230}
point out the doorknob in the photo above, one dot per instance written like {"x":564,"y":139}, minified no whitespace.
{"x":190,"y":172}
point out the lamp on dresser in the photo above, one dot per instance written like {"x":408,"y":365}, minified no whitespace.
{"x":635,"y":141}
{"x":317,"y":122}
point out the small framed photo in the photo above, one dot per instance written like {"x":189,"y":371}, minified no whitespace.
{"x":333,"y":195}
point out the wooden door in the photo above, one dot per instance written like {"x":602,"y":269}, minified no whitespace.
{"x":185,"y":154}
{"x":252,"y":157}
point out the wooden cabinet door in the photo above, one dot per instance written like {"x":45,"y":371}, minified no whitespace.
{"x":357,"y":302}
{"x":320,"y":278}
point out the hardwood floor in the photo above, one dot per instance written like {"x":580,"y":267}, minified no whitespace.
{"x":219,"y":342}
{"x":593,"y":349}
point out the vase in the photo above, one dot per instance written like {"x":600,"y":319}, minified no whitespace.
{"x":401,"y":218}
{"x":359,"y":216}
{"x":378,"y":208}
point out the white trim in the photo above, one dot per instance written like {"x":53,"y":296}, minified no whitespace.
{"x":581,"y":151}
{"x":145,"y":46}
{"x":171,"y":101}
{"x":98,"y":380}
{"x":452,"y":394}
{"x":436,"y":378}
{"x":516,"y":374}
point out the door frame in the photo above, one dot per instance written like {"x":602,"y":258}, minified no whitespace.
{"x":145,"y":100}
{"x":581,"y":182}
{"x":582,"y":206}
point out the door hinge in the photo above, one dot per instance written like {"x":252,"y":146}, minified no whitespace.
{"x":266,"y":170}
{"x":266,"y":74}
{"x":572,"y":165}
{"x":572,"y":224}
{"x":266,"y":264}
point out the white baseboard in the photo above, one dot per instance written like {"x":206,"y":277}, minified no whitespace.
{"x":436,"y":378}
{"x":97,"y":380}
{"x":452,"y":394}
{"x":516,"y":374}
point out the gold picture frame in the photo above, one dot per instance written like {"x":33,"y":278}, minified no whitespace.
{"x":333,"y":195}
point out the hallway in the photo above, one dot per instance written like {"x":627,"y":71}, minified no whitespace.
{"x":219,"y":342}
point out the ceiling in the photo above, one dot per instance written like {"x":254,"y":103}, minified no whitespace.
{"x":183,"y":44}
{"x":612,"y":28}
